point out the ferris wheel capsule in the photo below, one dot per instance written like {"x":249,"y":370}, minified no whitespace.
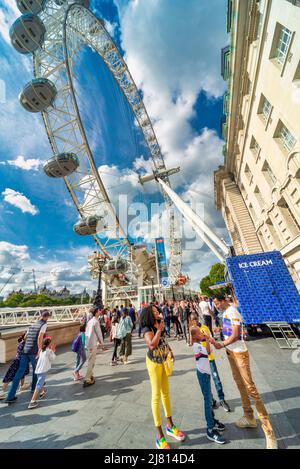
{"x":37,"y":95}
{"x":61,"y":165}
{"x":30,"y":6}
{"x":89,"y":226}
{"x":116,"y":266}
{"x":27,"y":33}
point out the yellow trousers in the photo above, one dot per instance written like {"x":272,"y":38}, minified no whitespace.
{"x":160,"y":390}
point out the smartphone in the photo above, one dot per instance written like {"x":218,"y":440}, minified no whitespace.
{"x":158,"y":321}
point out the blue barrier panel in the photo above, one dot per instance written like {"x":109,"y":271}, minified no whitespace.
{"x":264,"y":288}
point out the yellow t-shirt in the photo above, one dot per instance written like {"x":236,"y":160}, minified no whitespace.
{"x":205,"y":330}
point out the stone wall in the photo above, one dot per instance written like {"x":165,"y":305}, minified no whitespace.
{"x":61,"y":334}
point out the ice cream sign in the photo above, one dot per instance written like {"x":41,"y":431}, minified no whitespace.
{"x":262,"y":263}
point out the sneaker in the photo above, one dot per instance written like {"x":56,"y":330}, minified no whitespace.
{"x":33,"y":404}
{"x":219,"y":426}
{"x":11,"y":401}
{"x":225,"y":406}
{"x":246,"y":423}
{"x":214,"y":404}
{"x":271,"y":441}
{"x":175,"y":433}
{"x":162,"y":444}
{"x":213,"y":435}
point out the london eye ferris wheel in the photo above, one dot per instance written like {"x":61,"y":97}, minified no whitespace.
{"x":54,"y":31}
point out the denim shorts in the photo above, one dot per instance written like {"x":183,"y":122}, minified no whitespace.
{"x":41,"y":377}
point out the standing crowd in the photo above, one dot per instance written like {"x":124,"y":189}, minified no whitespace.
{"x":205,"y":325}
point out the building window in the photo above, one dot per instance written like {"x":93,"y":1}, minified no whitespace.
{"x":289,"y":218}
{"x":269,"y":175}
{"x":248,"y":173}
{"x":287,"y":139}
{"x":254,"y":146}
{"x":266,"y":110}
{"x":283,"y":44}
{"x":259,"y":197}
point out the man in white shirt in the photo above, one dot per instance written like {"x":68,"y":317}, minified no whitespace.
{"x":238,"y":357}
{"x":93,"y":335}
{"x":206,"y":313}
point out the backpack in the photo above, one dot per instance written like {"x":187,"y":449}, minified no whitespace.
{"x":76,"y":344}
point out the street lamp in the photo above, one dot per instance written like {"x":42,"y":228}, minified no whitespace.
{"x":174,"y":299}
{"x":97,"y":261}
{"x":152,"y":288}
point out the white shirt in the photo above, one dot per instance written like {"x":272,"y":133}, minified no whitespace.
{"x":44,"y":361}
{"x":232,"y":317}
{"x":205,"y":308}
{"x":202,"y":362}
{"x":93,"y":333}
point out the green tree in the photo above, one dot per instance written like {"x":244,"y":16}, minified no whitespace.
{"x":216,"y":274}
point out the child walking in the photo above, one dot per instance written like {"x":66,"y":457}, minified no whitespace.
{"x":45,"y":360}
{"x":79,"y":348}
{"x":13,"y":368}
{"x":117,"y":342}
{"x":203,"y":375}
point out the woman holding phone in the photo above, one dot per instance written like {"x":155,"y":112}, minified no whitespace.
{"x":153,"y":330}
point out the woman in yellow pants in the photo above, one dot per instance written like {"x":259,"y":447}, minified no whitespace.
{"x":158,"y":349}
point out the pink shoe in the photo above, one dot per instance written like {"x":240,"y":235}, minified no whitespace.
{"x":77,"y":376}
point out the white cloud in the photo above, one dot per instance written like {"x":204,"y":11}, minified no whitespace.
{"x":20,"y":201}
{"x":27,"y":165}
{"x":12,"y":254}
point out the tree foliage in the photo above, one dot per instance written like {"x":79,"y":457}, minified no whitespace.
{"x":24,"y":301}
{"x":215,"y":275}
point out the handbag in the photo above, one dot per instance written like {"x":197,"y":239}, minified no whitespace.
{"x":167,"y":363}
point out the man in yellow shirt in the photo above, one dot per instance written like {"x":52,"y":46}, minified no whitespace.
{"x":213,"y":367}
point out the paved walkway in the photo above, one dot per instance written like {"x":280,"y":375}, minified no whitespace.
{"x":116,"y":413}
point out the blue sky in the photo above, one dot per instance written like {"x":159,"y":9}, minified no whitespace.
{"x":173,"y":53}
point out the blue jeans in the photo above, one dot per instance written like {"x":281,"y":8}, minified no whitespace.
{"x":217,"y":381}
{"x":80,"y":360}
{"x":24,"y":362}
{"x":167,"y":325}
{"x":204,"y":381}
{"x":41,"y":378}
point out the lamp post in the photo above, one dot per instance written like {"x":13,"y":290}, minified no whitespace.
{"x":174,"y":299}
{"x":97,"y":261}
{"x":152,"y":288}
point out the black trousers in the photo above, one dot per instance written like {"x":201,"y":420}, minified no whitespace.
{"x":177,"y":325}
{"x":208,"y":322}
{"x":117,"y":342}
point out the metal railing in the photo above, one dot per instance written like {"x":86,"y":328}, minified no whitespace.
{"x":10,"y":317}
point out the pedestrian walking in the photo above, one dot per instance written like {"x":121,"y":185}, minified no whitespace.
{"x":46,"y":357}
{"x":78,"y":347}
{"x":203,"y":374}
{"x":157,"y":354}
{"x":206,"y":313}
{"x":239,"y":361}
{"x":116,"y":340}
{"x":124,"y":333}
{"x":13,"y":368}
{"x":93,"y":335}
{"x":33,"y":346}
{"x":132,"y":316}
{"x":167,"y":318}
